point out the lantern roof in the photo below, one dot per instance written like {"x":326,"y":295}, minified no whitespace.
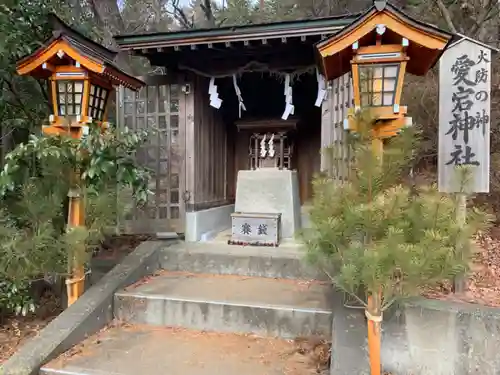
{"x":426,"y":41}
{"x":66,"y":47}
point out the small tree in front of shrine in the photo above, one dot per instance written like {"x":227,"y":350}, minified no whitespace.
{"x":379,"y":240}
{"x":34,"y":185}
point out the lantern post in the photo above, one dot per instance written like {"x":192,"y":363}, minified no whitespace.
{"x":82,"y":76}
{"x":378,"y":49}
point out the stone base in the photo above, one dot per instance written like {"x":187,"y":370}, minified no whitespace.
{"x":270,"y":191}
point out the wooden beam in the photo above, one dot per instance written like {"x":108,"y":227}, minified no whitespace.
{"x":48,"y":67}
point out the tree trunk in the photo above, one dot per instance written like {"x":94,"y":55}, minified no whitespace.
{"x":110,"y":21}
{"x":109,"y":18}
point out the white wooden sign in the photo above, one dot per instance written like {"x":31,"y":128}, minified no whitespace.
{"x":464,"y":115}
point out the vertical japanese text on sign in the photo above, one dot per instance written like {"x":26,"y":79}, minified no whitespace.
{"x":464,"y":114}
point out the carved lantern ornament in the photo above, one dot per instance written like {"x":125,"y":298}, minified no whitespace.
{"x":81,"y":76}
{"x":379,"y":48}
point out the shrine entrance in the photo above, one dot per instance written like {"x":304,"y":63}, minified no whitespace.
{"x":254,"y":104}
{"x":260,"y":137}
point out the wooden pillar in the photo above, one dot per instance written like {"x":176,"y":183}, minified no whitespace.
{"x":75,"y":283}
{"x":187,"y":120}
{"x":327,"y":125}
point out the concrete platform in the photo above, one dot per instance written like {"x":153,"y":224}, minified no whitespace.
{"x":133,"y":350}
{"x":217,"y":257}
{"x":228,"y":303}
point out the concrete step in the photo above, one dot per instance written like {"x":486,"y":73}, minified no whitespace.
{"x":285,"y":261}
{"x":133,"y":350}
{"x":228,"y":303}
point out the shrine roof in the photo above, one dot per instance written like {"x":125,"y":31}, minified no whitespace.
{"x":460,"y":38}
{"x":427,"y":42}
{"x":77,"y":47}
{"x":319,"y":26}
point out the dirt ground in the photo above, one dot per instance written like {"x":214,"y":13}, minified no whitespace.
{"x":483,"y":285}
{"x":119,"y":246}
{"x":14,"y":331}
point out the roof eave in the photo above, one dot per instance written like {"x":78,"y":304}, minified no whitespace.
{"x":374,"y":9}
{"x":122,"y":78}
{"x":233,"y":34}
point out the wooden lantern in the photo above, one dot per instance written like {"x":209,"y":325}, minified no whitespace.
{"x":82,"y":75}
{"x":379,"y":48}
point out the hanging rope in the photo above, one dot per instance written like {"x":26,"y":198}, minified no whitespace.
{"x":252,"y":66}
{"x":241,"y":106}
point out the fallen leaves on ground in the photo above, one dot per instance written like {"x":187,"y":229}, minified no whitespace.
{"x":119,"y":246}
{"x":15,"y":331}
{"x":303,"y":356}
{"x":483,"y":284}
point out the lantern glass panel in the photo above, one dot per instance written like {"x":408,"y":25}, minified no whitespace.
{"x":97,"y":102}
{"x":69,"y":97}
{"x":377,"y":83}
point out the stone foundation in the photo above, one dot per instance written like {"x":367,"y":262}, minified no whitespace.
{"x":270,"y":191}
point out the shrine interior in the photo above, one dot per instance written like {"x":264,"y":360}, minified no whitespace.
{"x":264,"y":99}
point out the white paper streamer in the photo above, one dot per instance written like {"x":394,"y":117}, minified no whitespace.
{"x":289,"y":107}
{"x":271,"y":146}
{"x":215,"y":101}
{"x":321,"y":89}
{"x":241,"y":105}
{"x":263,"y":150}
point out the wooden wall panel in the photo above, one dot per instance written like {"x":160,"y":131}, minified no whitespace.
{"x":307,"y":156}
{"x":210,"y":151}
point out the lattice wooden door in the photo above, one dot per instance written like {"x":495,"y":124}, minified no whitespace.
{"x":156,"y":107}
{"x":336,"y":155}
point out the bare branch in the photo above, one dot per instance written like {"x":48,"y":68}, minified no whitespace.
{"x":19,"y":102}
{"x":179,"y":15}
{"x":446,"y":15}
{"x":206,"y":7}
{"x":490,"y":10}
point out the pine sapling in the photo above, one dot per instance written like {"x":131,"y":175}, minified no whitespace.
{"x":376,"y":235}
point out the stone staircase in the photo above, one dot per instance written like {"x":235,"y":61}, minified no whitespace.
{"x":212,"y":309}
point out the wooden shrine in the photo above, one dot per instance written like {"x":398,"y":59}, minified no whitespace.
{"x":232,"y":82}
{"x":271,"y":143}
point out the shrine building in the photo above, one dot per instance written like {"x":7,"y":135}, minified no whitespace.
{"x":244,"y":113}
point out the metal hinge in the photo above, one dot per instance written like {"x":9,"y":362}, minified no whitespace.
{"x":186,"y":196}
